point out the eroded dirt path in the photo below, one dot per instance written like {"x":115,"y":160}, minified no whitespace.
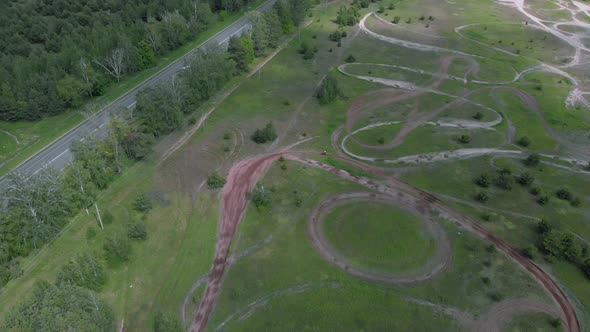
{"x":393,"y":187}
{"x":240,"y":182}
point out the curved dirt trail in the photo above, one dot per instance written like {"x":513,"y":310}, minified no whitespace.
{"x":240,"y":182}
{"x":394,"y":187}
{"x":435,"y":265}
{"x":501,"y":314}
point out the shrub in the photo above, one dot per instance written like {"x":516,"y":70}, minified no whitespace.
{"x":381,"y":140}
{"x":535,"y":191}
{"x":563,"y":194}
{"x":192,"y":120}
{"x":465,"y":139}
{"x":530,"y":252}
{"x":136,"y":231}
{"x":335,"y":36}
{"x":166,"y":323}
{"x":483,"y":180}
{"x":83,"y":271}
{"x":396,"y":20}
{"x":543,"y":200}
{"x":328,"y":90}
{"x":267,"y":134}
{"x":486,"y":280}
{"x":261,"y":197}
{"x":504,"y":182}
{"x":524,"y":142}
{"x":575,"y":202}
{"x":543,"y":227}
{"x":555,"y":322}
{"x":142,"y":203}
{"x":495,"y":296}
{"x":478,"y":116}
{"x":482,"y":197}
{"x":117,"y":248}
{"x":350,"y":59}
{"x":215,"y":181}
{"x":526,"y":179}
{"x":226,"y":136}
{"x":532,"y":160}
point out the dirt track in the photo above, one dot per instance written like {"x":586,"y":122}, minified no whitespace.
{"x":240,"y":182}
{"x":437,"y":264}
{"x":393,"y":187}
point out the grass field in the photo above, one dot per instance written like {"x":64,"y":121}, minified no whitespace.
{"x":378,"y":236}
{"x":277,"y":281}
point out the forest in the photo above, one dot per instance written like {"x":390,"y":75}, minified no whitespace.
{"x":56,"y":54}
{"x":40,"y":206}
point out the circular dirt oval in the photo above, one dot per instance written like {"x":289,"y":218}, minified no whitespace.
{"x":370,"y":236}
{"x":378,"y":236}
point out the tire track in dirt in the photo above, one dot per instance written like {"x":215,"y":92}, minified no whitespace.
{"x":240,"y":182}
{"x":394,"y":186}
{"x":435,"y":265}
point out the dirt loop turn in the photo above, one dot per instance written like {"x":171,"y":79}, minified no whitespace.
{"x":393,"y":187}
{"x":438,"y":263}
{"x":241,"y":181}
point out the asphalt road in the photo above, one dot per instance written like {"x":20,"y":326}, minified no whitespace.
{"x":57,"y":155}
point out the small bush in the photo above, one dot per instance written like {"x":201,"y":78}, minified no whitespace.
{"x":481,"y":197}
{"x":283,"y":166}
{"x":267,"y":134}
{"x":226,"y":136}
{"x":261,"y":197}
{"x":465,"y":139}
{"x":555,"y":322}
{"x":350,"y":59}
{"x":524,"y":142}
{"x":526,"y":179}
{"x":535,"y":191}
{"x":381,"y":140}
{"x":478,"y":116}
{"x":575,"y":202}
{"x":136,"y":231}
{"x":564,"y":194}
{"x":486,"y":280}
{"x":530,"y":252}
{"x":495,"y":296}
{"x":192,"y":120}
{"x":142,"y":203}
{"x":117,"y":248}
{"x":532,"y":160}
{"x":543,"y":200}
{"x":483,"y":180}
{"x":215,"y":181}
{"x":504,"y":182}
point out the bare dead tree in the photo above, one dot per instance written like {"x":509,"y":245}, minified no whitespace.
{"x":154,"y":39}
{"x":39,"y":201}
{"x":115,"y":63}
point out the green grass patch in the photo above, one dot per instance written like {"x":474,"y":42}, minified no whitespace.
{"x":378,"y":236}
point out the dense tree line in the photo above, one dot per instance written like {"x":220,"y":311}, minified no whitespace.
{"x":61,"y":307}
{"x":39,"y":206}
{"x":162,"y":109}
{"x":56,"y":54}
